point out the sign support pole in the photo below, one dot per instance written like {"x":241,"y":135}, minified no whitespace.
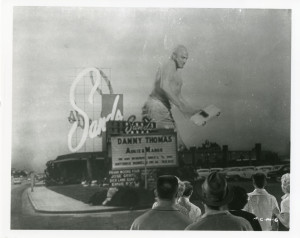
{"x":146,"y":169}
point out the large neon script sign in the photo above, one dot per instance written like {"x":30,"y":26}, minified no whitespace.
{"x":91,"y":128}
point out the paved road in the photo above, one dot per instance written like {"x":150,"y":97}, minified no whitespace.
{"x":16,"y":205}
{"x":25,"y":218}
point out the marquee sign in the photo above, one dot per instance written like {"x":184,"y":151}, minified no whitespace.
{"x":134,"y":127}
{"x":128,"y":177}
{"x":136,"y":151}
{"x":130,"y":126}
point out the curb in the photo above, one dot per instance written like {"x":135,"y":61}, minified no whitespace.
{"x":114,"y":209}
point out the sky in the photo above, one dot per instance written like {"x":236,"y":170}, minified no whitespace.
{"x":239,"y":60}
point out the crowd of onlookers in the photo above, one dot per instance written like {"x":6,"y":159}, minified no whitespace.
{"x":225,"y":207}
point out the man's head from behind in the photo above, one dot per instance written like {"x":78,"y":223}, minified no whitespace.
{"x":180,"y":56}
{"x":215,"y":191}
{"x":259,"y":180}
{"x":188,"y":189}
{"x":167,"y":187}
{"x":240,"y":198}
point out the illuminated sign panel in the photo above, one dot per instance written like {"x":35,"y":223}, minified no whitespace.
{"x":92,"y":108}
{"x":128,"y":152}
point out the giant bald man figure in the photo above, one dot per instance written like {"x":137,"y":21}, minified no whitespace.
{"x":167,"y":91}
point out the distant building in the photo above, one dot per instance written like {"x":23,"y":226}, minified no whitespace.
{"x":212,"y":155}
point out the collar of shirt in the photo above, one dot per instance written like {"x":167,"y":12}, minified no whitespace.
{"x":259,"y":191}
{"x":285,"y":196}
{"x":165,"y":206}
{"x":212,"y":212}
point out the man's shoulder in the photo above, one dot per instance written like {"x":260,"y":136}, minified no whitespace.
{"x":224,"y":217}
{"x":169,"y":68}
{"x":154,"y":218}
{"x":243,"y":213}
{"x":261,"y":192}
{"x":138,"y":222}
{"x":236,"y":223}
{"x":166,"y":213}
{"x":271,"y":196}
{"x":194,"y":207}
{"x":240,"y":219}
{"x":197,"y":224}
{"x":144,"y":215}
{"x":243,"y":222}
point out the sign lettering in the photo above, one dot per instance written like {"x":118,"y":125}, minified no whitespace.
{"x":90,"y":128}
{"x":129,"y":152}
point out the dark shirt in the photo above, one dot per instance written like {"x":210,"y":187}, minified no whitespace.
{"x":249,"y":217}
{"x":220,"y":221}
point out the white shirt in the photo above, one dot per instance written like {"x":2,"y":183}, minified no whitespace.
{"x":193,"y":210}
{"x":261,"y":204}
{"x":285,"y":203}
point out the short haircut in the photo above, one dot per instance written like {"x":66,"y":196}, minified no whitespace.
{"x":167,"y":187}
{"x":188,"y":189}
{"x":285,"y":182}
{"x":259,"y":179}
{"x":240,"y":198}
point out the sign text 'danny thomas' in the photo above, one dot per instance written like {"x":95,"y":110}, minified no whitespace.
{"x":129,"y":151}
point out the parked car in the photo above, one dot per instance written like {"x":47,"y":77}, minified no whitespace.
{"x":40,"y":177}
{"x":276,"y":174}
{"x":216,"y":169}
{"x":233,"y":173}
{"x":264,"y":169}
{"x":247,"y":172}
{"x":278,"y":166}
{"x":220,"y":170}
{"x":202,"y":173}
{"x":17,"y":180}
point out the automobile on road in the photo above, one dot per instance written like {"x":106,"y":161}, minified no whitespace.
{"x":17,"y":180}
{"x":233,"y":173}
{"x":276,"y":174}
{"x":216,"y":169}
{"x":247,"y":172}
{"x":202,"y":173}
{"x":264,"y":169}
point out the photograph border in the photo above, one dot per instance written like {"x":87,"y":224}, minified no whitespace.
{"x":6,"y":107}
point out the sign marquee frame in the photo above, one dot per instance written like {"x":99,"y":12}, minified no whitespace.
{"x":132,"y":151}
